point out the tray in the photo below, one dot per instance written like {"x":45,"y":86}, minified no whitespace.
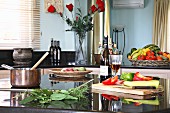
{"x":58,"y":72}
{"x":149,"y":62}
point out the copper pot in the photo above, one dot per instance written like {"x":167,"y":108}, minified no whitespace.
{"x":24,"y":77}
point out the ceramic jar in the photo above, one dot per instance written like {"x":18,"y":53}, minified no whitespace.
{"x":22,"y":54}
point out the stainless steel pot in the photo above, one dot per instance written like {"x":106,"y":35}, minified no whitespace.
{"x":24,"y":77}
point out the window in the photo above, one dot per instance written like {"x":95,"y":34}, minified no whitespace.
{"x":19,"y":24}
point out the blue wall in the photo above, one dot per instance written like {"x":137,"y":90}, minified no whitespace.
{"x":138,"y":25}
{"x":53,"y":26}
{"x":137,"y":22}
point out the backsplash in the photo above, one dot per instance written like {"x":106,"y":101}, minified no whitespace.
{"x":6,"y":57}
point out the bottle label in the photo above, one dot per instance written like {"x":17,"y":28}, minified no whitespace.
{"x":104,"y":70}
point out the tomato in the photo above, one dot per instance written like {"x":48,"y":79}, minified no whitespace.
{"x":110,"y":81}
{"x":160,"y":53}
{"x":153,"y":57}
{"x":150,"y":57}
{"x":141,"y":57}
{"x":150,"y":53}
{"x":159,"y":58}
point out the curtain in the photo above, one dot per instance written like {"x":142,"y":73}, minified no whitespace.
{"x":168,"y":40}
{"x":160,"y":23}
{"x":107,"y":19}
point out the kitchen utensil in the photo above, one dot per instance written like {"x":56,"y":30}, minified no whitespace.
{"x":7,"y":66}
{"x":39,"y":61}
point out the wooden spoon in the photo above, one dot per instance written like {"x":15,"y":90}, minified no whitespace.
{"x":39,"y":61}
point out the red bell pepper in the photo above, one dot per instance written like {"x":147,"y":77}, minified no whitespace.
{"x":119,"y":82}
{"x":140,"y":77}
{"x":106,"y":96}
{"x":137,"y":103}
{"x":110,"y":97}
{"x":110,"y":81}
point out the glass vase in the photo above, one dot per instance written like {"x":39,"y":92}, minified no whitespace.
{"x":80,"y":48}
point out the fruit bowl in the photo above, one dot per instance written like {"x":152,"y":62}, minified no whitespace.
{"x":149,"y":62}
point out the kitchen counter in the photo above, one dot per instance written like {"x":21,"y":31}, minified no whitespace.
{"x":94,"y":103}
{"x":92,"y":66}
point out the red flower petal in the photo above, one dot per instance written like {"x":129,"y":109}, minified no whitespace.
{"x":51,"y":9}
{"x":93,"y":8}
{"x":70,"y":7}
{"x":100,"y":4}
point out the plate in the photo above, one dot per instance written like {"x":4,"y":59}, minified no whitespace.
{"x":58,"y":72}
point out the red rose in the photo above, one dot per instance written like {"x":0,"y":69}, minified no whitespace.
{"x":101,"y":9}
{"x":61,"y":14}
{"x":51,"y":9}
{"x":100,"y":4}
{"x":93,"y":8}
{"x":70,"y":7}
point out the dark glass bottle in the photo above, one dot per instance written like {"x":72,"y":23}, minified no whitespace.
{"x":55,"y":54}
{"x":105,"y":70}
{"x":51,"y":51}
{"x":58,"y":52}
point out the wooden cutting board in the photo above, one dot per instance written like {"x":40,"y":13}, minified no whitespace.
{"x":115,"y":88}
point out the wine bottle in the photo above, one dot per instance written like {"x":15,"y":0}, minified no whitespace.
{"x":55,"y":53}
{"x":105,"y":70}
{"x":58,"y":52}
{"x":51,"y":51}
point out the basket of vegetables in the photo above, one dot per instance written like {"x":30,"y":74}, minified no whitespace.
{"x":149,"y":55}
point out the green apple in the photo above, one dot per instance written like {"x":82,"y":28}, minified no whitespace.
{"x":82,"y":69}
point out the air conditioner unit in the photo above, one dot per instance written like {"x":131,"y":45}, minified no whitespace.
{"x":128,"y":3}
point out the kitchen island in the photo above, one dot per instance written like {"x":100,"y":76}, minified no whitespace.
{"x":95,"y":101}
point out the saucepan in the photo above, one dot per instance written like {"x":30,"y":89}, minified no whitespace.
{"x":25,"y":77}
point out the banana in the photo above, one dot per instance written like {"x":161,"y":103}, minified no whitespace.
{"x":135,"y":56}
{"x":136,"y":51}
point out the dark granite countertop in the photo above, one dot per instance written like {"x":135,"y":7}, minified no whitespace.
{"x":89,"y":65}
{"x":96,"y":102}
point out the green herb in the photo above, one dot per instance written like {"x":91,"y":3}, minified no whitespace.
{"x":44,"y":96}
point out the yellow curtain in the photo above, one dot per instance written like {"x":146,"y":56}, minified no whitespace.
{"x":168,"y":40}
{"x":107,"y":19}
{"x":160,"y":23}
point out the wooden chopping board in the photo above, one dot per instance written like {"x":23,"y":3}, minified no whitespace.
{"x":115,"y":88}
